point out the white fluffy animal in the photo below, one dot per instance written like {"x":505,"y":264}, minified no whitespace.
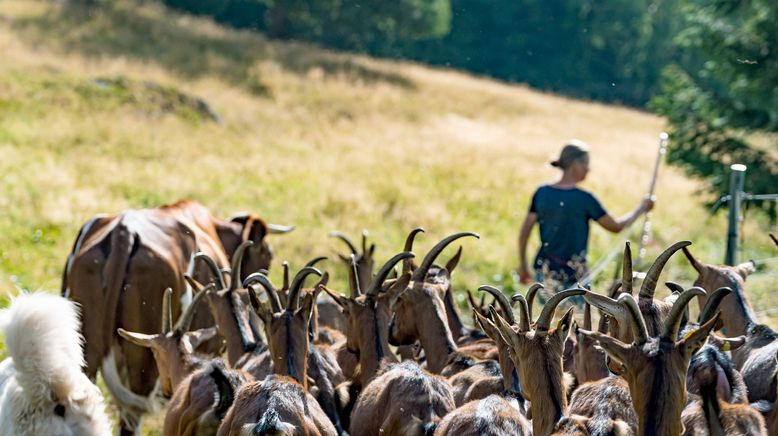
{"x":42,"y":388}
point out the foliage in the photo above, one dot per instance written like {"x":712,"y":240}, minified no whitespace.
{"x":721,"y":98}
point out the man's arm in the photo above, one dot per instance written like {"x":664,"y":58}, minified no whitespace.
{"x":526,"y":229}
{"x":617,"y":225}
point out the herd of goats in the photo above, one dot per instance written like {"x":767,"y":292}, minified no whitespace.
{"x":172,"y":303}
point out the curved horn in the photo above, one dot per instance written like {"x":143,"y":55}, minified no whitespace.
{"x":237,"y":260}
{"x":408,"y":264}
{"x":383,"y":273}
{"x":429,"y":259}
{"x":673,"y":320}
{"x":279,"y":229}
{"x":714,"y":300}
{"x":639,"y":330}
{"x":524,"y":318}
{"x":674,"y":287}
{"x":502,"y":300}
{"x":344,"y":238}
{"x":626,"y":270}
{"x":272,"y":296}
{"x":316,"y":260}
{"x":649,"y":283}
{"x":185,"y":320}
{"x":167,"y":315}
{"x":696,"y":264}
{"x":544,"y":320}
{"x":297,"y":285}
{"x":531,"y":293}
{"x":587,"y":321}
{"x":211,"y":264}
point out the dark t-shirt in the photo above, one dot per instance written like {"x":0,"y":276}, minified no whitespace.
{"x":563,"y":216}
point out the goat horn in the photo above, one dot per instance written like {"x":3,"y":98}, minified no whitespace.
{"x":285,"y":282}
{"x":237,"y":260}
{"x":639,"y":330}
{"x":615,"y":289}
{"x":217,"y":273}
{"x":364,"y":241}
{"x":544,"y":320}
{"x":602,"y":324}
{"x":714,"y":300}
{"x":352,"y":261}
{"x":185,"y":320}
{"x":673,"y":320}
{"x":344,"y":238}
{"x":279,"y":229}
{"x":167,"y":315}
{"x":383,"y":273}
{"x":531,"y":294}
{"x":408,"y":264}
{"x":316,"y":260}
{"x":297,"y":285}
{"x":674,"y":287}
{"x":272,"y":295}
{"x":502,"y":300}
{"x":524,"y":318}
{"x":649,"y":283}
{"x":626,"y":270}
{"x":696,"y":264}
{"x":429,"y":259}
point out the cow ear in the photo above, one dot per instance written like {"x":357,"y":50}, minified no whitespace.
{"x":254,"y":228}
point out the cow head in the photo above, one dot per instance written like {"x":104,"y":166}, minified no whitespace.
{"x":250,"y":227}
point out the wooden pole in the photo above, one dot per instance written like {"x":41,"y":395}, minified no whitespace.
{"x":736,"y":183}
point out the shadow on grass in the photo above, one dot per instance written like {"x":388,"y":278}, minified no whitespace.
{"x":179,"y":44}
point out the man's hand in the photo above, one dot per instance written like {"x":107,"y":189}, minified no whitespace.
{"x":524,"y":276}
{"x":648,"y":203}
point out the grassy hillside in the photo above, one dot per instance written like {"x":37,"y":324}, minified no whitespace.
{"x":97,"y":115}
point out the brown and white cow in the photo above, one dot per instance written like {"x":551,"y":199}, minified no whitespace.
{"x":118,"y":270}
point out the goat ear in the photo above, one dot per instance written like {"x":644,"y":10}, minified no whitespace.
{"x":695,"y":340}
{"x":397,"y":288}
{"x":341,"y":299}
{"x":609,"y":306}
{"x":508,"y":335}
{"x":725,"y":343}
{"x":139,"y":339}
{"x":745,"y":269}
{"x":615,"y":348}
{"x":306,"y":307}
{"x":487,"y":326}
{"x":452,"y":264}
{"x":191,"y":340}
{"x":563,"y":326}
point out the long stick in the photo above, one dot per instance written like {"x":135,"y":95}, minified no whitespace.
{"x":645,"y":235}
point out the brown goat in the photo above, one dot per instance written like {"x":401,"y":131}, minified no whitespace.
{"x":420,"y":312}
{"x":277,"y":405}
{"x":537,"y":353}
{"x":590,"y":360}
{"x":288,"y":335}
{"x":710,"y":375}
{"x":756,"y":358}
{"x":368,"y":317}
{"x":402,"y":400}
{"x":492,"y":416}
{"x":656,"y":366}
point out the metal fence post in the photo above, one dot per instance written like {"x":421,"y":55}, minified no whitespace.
{"x":736,"y":183}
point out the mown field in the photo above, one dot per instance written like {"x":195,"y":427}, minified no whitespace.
{"x":97,"y":115}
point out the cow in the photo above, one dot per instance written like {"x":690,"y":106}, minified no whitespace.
{"x":120,"y":266}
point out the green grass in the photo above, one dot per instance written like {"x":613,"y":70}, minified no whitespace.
{"x":313,"y":138}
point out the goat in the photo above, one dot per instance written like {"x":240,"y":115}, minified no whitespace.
{"x":493,"y":416}
{"x":711,"y":375}
{"x":403,"y":399}
{"x":42,"y":387}
{"x":590,"y":360}
{"x":537,"y":353}
{"x":288,"y":335}
{"x":604,"y":407}
{"x":656,"y":366}
{"x":275,"y":405}
{"x":184,"y":376}
{"x":420,"y":313}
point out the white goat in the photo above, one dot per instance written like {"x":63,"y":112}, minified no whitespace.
{"x":42,"y":388}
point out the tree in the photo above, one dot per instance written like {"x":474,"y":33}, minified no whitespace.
{"x":721,"y":98}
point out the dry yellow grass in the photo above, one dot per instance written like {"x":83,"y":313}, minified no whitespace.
{"x":314,"y":138}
